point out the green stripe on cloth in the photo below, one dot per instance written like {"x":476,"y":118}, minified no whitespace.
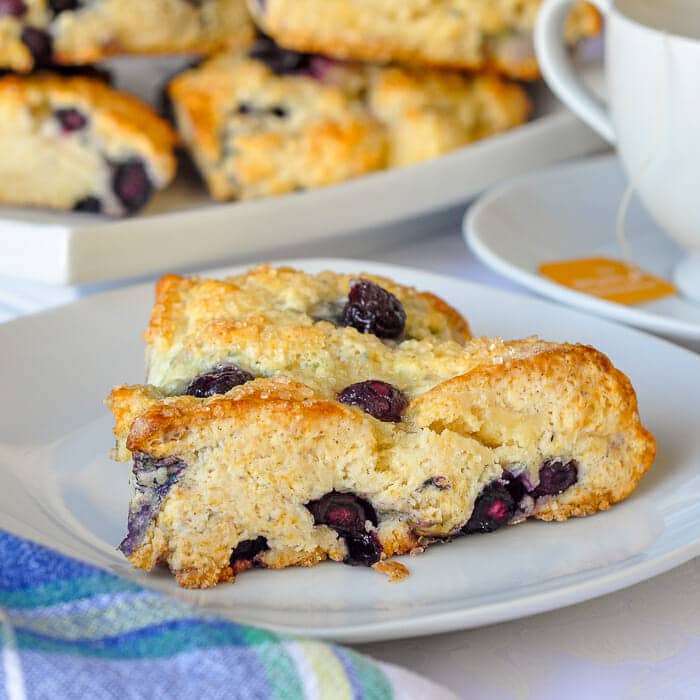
{"x":63,"y":591}
{"x":152,"y":643}
{"x":114,"y":617}
{"x":375,"y":683}
{"x":280,"y":670}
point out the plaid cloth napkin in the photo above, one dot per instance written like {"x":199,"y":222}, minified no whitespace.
{"x":70,"y":630}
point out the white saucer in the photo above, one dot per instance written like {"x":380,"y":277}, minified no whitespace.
{"x":567,"y":212}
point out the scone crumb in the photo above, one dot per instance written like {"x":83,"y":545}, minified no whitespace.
{"x":396,"y":571}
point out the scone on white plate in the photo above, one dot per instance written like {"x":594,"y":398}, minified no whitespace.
{"x":491,"y":35}
{"x":75,"y":143}
{"x":290,"y":418}
{"x":36,"y":33}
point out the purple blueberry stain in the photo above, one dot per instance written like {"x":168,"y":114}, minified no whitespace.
{"x":556,"y":476}
{"x":14,"y":8}
{"x":441,"y":483}
{"x":379,"y":399}
{"x":152,"y":479}
{"x":348,"y":514}
{"x":218,"y":380}
{"x":132,"y":185}
{"x":278,"y":60}
{"x":372,"y":309}
{"x":70,"y":119}
{"x":39,"y":43}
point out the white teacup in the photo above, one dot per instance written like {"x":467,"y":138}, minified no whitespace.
{"x":653,"y":116}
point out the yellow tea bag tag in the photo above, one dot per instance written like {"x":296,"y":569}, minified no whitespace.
{"x":608,"y":279}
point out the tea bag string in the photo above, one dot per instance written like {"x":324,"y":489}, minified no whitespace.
{"x":636,"y":178}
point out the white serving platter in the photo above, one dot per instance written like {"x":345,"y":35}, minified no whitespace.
{"x":182,"y":228}
{"x":57,"y":485}
{"x":570,"y":211}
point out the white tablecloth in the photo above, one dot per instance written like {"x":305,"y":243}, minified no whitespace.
{"x":641,"y":643}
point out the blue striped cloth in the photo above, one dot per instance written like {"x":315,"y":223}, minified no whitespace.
{"x":70,"y":630}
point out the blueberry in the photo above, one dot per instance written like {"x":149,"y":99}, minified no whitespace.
{"x":439,"y":482}
{"x":342,"y":511}
{"x":371,"y":309}
{"x":493,"y":508}
{"x":247,"y":550}
{"x":218,"y":380}
{"x":517,"y":485}
{"x":15,"y":8}
{"x":70,"y":119}
{"x":555,"y":477}
{"x":153,"y":478}
{"x":381,"y":400}
{"x":59,"y":6}
{"x":364,"y":549}
{"x":89,"y":204}
{"x":131,"y":185}
{"x":278,"y":60}
{"x":347,"y":514}
{"x":39,"y":43}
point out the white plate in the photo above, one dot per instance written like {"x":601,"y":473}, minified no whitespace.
{"x":183,"y":228}
{"x":567,"y":212}
{"x":59,"y":487}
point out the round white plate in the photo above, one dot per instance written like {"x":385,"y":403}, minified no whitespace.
{"x":569,"y":212}
{"x":58,"y":486}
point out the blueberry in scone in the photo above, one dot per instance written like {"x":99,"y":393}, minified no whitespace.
{"x":336,"y":443}
{"x":36,"y":33}
{"x":268,"y":122}
{"x":464,"y":34}
{"x":272,"y":120}
{"x":75,"y":143}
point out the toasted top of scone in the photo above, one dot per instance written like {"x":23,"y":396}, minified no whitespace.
{"x":271,"y":320}
{"x":118,"y":120}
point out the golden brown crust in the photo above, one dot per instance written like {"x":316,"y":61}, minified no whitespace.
{"x":394,"y":570}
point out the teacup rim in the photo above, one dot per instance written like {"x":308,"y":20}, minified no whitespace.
{"x":625,"y":16}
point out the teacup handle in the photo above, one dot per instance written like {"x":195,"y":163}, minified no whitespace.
{"x":558,"y":68}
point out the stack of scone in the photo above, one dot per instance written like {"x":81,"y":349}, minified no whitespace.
{"x":289,"y":418}
{"x":342,"y":88}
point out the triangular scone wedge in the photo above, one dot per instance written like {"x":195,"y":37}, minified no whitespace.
{"x":276,"y":473}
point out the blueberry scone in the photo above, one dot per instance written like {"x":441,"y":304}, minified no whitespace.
{"x":75,"y":143}
{"x":263,"y":123}
{"x":466,"y":34}
{"x":271,"y":120}
{"x":428,"y":113}
{"x":41,"y":32}
{"x":292,"y":418}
